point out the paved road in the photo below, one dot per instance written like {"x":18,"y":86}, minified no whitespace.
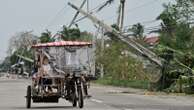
{"x":104,"y":98}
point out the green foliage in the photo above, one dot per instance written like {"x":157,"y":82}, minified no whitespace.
{"x":181,"y":11}
{"x":175,"y":20}
{"x":4,"y":66}
{"x":46,"y":37}
{"x":74,"y":34}
{"x":140,"y":84}
{"x":181,"y":39}
{"x":70,"y":34}
{"x":85,"y":36}
{"x":137,"y":30}
{"x":20,"y":44}
{"x":118,"y":64}
{"x":111,"y":35}
{"x":184,"y":37}
{"x":119,"y":68}
{"x":176,"y":36}
{"x":177,"y":33}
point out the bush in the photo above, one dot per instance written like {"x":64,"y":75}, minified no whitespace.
{"x":140,"y":84}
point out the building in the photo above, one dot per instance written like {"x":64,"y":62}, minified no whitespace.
{"x":152,"y":41}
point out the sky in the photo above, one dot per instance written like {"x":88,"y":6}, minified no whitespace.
{"x":39,"y":15}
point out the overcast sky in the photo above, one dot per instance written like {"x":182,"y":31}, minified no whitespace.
{"x":38,"y":15}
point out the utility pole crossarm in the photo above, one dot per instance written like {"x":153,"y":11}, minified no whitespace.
{"x":138,"y":47}
{"x":77,"y":13}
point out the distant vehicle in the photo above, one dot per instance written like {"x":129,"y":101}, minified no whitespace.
{"x":26,"y":75}
{"x":58,"y":73}
{"x":1,"y":75}
{"x":19,"y":76}
{"x":8,"y":75}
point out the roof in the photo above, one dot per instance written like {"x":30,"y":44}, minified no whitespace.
{"x":152,"y":40}
{"x":62,"y":44}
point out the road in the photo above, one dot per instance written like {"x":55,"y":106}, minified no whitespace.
{"x":12,"y":94}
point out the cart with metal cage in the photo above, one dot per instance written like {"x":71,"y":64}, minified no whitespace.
{"x":59,"y":72}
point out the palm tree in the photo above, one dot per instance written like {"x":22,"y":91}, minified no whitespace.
{"x":46,"y":37}
{"x":70,"y":33}
{"x":137,"y":30}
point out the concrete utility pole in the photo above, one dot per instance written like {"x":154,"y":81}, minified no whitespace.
{"x":121,"y":12}
{"x":94,"y":39}
{"x":88,"y":6}
{"x":119,"y":16}
{"x":138,"y":47}
{"x":102,"y":51}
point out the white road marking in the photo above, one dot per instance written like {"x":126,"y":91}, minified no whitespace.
{"x":96,"y":100}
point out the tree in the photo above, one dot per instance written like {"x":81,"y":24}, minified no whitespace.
{"x":176,"y":30}
{"x":86,"y":36}
{"x":177,"y":38}
{"x":180,"y":12}
{"x":46,"y":37}
{"x":137,"y":30}
{"x":117,"y":63}
{"x":184,"y":37}
{"x":4,"y":66}
{"x":20,"y":44}
{"x":22,"y":40}
{"x":111,"y":35}
{"x":74,"y":34}
{"x":70,"y":34}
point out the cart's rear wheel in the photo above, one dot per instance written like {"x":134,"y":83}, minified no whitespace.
{"x":28,"y":97}
{"x":74,"y":99}
{"x":80,"y":98}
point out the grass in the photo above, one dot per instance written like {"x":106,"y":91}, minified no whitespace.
{"x":138,"y":84}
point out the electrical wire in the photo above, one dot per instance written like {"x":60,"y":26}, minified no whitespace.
{"x":134,"y":9}
{"x":144,"y":22}
{"x":55,"y":17}
{"x":142,"y":6}
{"x":92,"y":11}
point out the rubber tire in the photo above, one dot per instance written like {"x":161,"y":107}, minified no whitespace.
{"x":74,"y":101}
{"x":28,"y":97}
{"x":80,"y":98}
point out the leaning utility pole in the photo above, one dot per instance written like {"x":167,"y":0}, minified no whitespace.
{"x":138,"y":47}
{"x":121,"y":12}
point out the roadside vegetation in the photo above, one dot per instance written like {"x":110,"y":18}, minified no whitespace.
{"x":176,"y":34}
{"x":119,"y":68}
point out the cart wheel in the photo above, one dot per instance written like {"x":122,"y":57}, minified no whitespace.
{"x":74,"y":101}
{"x":80,"y":98}
{"x":28,"y":97}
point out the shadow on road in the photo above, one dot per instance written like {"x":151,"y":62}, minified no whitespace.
{"x":46,"y":107}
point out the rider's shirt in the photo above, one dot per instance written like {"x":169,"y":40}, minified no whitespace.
{"x":48,"y":70}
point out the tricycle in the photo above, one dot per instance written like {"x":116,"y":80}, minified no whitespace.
{"x":59,"y":71}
